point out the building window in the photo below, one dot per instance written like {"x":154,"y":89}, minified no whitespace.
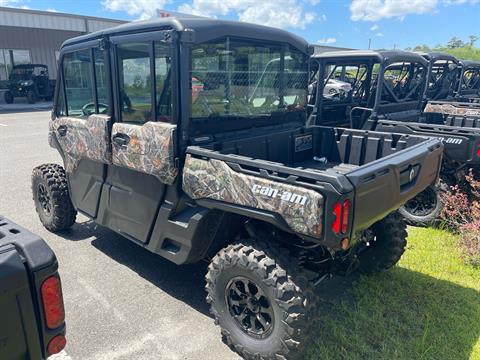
{"x":10,"y":57}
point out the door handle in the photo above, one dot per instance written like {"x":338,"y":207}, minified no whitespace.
{"x":121,"y":139}
{"x":62,"y":130}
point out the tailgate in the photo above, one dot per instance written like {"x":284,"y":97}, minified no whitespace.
{"x":384,"y":185}
{"x":460,"y":144}
{"x":19,"y":338}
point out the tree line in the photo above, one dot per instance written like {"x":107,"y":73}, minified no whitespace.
{"x":455,"y":46}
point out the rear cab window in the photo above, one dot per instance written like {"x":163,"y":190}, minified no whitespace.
{"x":234,"y":78}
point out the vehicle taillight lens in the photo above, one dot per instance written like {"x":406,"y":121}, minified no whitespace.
{"x":56,"y":345}
{"x":345,"y":215}
{"x":337,"y":211}
{"x":478,"y":149}
{"x":52,"y":299}
{"x":342,"y":213}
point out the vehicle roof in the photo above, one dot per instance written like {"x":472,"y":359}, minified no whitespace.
{"x":437,"y":55}
{"x":388,"y":56}
{"x":205,"y":29}
{"x":29,"y":66}
{"x":470,"y":63}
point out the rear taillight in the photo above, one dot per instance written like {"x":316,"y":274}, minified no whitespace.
{"x":56,"y":345}
{"x":345,"y":215}
{"x":52,"y":299}
{"x":342,"y":213}
{"x":478,"y":150}
{"x":337,"y":211}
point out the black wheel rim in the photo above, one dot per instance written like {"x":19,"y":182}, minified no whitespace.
{"x":44,"y":199}
{"x":423,"y":204}
{"x":249,"y":307}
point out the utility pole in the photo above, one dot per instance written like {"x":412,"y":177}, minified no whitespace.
{"x":369,"y":43}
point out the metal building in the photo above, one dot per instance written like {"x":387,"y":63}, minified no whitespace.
{"x":30,"y":36}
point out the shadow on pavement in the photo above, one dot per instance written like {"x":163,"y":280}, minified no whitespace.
{"x":185,"y":283}
{"x":399,"y":314}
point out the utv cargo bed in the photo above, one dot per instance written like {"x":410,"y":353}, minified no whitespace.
{"x":461,"y":143}
{"x":377,"y":172}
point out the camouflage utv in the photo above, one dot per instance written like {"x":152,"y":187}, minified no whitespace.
{"x":188,"y":137}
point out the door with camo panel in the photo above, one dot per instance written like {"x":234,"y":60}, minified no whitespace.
{"x":81,"y":123}
{"x":143,"y":135}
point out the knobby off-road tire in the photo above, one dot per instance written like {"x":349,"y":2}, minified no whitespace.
{"x":387,"y":240}
{"x":8,"y":97}
{"x":51,"y":197}
{"x":256,"y":269}
{"x":423,"y":209}
{"x":31,"y":97}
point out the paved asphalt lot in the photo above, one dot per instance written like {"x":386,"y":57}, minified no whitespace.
{"x":122,"y":302}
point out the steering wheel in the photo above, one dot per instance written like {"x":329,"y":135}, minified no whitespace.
{"x":89,"y":108}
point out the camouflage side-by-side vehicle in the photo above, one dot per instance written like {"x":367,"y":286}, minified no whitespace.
{"x":389,"y":92}
{"x":188,"y":137}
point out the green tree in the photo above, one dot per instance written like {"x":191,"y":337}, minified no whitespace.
{"x":473,"y":40}
{"x":455,"y":43}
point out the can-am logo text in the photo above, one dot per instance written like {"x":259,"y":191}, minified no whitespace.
{"x":282,"y":195}
{"x":454,"y":141}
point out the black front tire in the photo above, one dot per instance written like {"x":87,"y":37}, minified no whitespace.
{"x":382,"y":245}
{"x":9,"y":98}
{"x":423,"y":209}
{"x":283,"y":292}
{"x":31,"y":97}
{"x":51,"y":197}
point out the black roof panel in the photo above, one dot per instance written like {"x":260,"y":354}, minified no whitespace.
{"x":389,"y":56}
{"x":437,"y":56}
{"x":205,"y":29}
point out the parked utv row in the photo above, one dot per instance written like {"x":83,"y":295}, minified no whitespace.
{"x":207,"y":139}
{"x":404,"y":93}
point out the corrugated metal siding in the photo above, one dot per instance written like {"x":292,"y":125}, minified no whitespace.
{"x":96,"y":25}
{"x":53,"y":21}
{"x":41,"y":43}
{"x":44,"y":21}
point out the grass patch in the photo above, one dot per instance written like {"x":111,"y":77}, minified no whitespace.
{"x":427,"y":307}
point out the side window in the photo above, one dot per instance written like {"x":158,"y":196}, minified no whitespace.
{"x":78,"y":83}
{"x":163,"y":82}
{"x":135,"y":82}
{"x":101,"y":81}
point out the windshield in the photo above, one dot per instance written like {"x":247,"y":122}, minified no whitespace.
{"x":235,"y":78}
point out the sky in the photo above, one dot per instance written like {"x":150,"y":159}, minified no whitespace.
{"x":344,"y":23}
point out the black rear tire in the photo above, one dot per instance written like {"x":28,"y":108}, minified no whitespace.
{"x":423,"y":209}
{"x":9,"y":98}
{"x":383,"y":244}
{"x":31,"y":97}
{"x":51,"y":197}
{"x":286,"y":301}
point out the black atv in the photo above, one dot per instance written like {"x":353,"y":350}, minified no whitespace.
{"x":30,"y":81}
